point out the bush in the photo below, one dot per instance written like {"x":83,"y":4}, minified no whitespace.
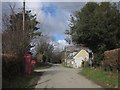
{"x":11,"y":67}
{"x":111,"y":60}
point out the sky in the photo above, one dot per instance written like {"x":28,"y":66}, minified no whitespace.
{"x":53,"y":17}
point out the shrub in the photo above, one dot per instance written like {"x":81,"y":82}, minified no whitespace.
{"x":11,"y":67}
{"x":111,"y":60}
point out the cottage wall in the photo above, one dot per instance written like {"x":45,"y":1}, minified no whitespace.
{"x":82,"y":54}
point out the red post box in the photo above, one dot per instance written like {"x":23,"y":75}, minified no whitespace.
{"x":33,"y":62}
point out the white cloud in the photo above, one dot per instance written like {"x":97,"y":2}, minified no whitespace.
{"x":57,"y":24}
{"x":50,"y":25}
{"x":62,"y":44}
{"x":54,"y":24}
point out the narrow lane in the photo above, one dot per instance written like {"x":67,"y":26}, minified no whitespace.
{"x":60,"y":77}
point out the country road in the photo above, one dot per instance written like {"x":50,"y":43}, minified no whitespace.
{"x":60,"y":77}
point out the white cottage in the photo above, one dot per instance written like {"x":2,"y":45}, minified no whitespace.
{"x":82,"y":55}
{"x":74,"y":55}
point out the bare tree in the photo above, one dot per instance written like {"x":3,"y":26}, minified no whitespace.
{"x":12,"y":34}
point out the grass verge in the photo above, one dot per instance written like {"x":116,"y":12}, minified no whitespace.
{"x":105,"y":79}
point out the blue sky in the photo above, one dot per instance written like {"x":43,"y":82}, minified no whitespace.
{"x":50,"y":9}
{"x":58,"y":16}
{"x":53,"y":17}
{"x":59,"y":37}
{"x":55,"y":21}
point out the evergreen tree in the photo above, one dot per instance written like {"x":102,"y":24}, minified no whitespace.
{"x":97,"y":26}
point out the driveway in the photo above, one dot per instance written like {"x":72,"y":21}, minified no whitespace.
{"x":60,"y":77}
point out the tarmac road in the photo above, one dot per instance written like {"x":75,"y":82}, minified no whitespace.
{"x":59,"y":76}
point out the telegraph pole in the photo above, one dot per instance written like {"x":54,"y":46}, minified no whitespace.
{"x":23,"y":16}
{"x":119,"y":6}
{"x":23,"y":22}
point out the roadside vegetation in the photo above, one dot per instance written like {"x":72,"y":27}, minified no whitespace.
{"x":16,"y":42}
{"x":21,"y":81}
{"x":105,"y":79}
{"x":96,"y":26}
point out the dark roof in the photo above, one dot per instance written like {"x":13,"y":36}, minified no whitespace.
{"x":75,"y":48}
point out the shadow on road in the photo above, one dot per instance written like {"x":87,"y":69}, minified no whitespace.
{"x":33,"y":85}
{"x":35,"y":80}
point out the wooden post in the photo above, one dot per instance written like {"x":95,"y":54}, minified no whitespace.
{"x":23,"y":23}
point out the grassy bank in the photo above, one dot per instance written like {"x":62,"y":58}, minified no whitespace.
{"x":105,"y":79}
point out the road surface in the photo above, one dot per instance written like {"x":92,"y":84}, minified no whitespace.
{"x":60,"y":77}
